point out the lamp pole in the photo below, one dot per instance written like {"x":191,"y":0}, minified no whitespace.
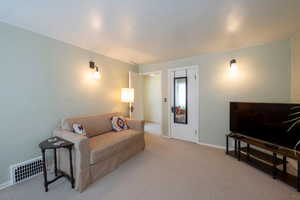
{"x":130,"y":110}
{"x":127,"y":96}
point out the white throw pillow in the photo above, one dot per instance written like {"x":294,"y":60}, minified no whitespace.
{"x":119,"y":123}
{"x":78,"y":128}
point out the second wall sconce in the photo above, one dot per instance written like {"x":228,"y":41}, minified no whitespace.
{"x":96,"y":73}
{"x":233,"y":65}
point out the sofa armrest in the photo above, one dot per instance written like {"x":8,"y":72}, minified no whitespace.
{"x":135,"y":124}
{"x":81,"y":147}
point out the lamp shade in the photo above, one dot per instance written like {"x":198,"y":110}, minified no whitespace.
{"x":127,"y":95}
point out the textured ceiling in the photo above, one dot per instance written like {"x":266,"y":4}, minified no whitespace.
{"x":148,"y":31}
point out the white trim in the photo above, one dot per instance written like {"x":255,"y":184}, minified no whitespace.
{"x":5,"y":185}
{"x":181,"y":68}
{"x":196,"y":67}
{"x":149,"y":73}
{"x":161,"y":103}
{"x":230,"y":148}
{"x":169,"y":104}
{"x":205,"y":144}
{"x":198,"y":101}
{"x":212,"y":145}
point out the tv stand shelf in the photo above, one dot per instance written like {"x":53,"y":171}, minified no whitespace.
{"x":260,"y":156}
{"x":268,"y":163}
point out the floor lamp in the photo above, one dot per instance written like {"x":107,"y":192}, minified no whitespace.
{"x":127,"y":96}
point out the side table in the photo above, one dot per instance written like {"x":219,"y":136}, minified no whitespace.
{"x":56,"y":143}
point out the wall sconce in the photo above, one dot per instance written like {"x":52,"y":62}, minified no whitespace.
{"x":96,"y":73}
{"x":233,"y":65}
{"x":127,"y":96}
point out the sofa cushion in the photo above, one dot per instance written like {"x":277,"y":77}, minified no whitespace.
{"x":93,"y":124}
{"x":105,"y":145}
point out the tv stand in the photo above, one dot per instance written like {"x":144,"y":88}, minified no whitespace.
{"x":265,"y":161}
{"x":271,"y":146}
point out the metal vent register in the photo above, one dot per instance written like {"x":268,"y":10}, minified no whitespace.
{"x":26,"y":170}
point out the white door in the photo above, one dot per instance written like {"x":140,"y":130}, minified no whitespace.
{"x":136,"y":82}
{"x":184,"y":110}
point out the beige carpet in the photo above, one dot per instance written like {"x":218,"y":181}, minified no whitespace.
{"x":168,"y":169}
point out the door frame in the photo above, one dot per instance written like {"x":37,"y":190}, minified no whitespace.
{"x":196,"y":68}
{"x":161,"y":96}
{"x":135,"y":92}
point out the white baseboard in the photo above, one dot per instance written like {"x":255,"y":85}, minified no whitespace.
{"x":212,"y":145}
{"x":230,"y":148}
{"x":5,"y":185}
{"x":206,"y":144}
{"x":165,"y":136}
{"x":152,"y":133}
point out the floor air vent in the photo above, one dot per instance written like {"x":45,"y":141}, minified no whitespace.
{"x":26,"y":170}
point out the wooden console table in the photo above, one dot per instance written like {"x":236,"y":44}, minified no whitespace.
{"x":263,"y":161}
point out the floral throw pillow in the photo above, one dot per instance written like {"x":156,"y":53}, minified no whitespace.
{"x":78,"y":128}
{"x":119,"y":123}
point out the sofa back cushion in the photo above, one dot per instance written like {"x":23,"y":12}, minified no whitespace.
{"x":93,"y":124}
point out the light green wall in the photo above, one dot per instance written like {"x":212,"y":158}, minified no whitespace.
{"x":264,"y":75}
{"x":152,"y":98}
{"x":43,"y":80}
{"x":295,"y":89}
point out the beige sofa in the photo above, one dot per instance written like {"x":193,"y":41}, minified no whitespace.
{"x":101,"y":150}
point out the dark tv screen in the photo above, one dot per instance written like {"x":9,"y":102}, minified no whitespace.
{"x":265,"y":121}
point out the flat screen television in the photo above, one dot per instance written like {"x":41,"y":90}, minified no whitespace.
{"x":265,"y":121}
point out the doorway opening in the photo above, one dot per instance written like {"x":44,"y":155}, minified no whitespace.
{"x":152,"y":102}
{"x":148,"y":99}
